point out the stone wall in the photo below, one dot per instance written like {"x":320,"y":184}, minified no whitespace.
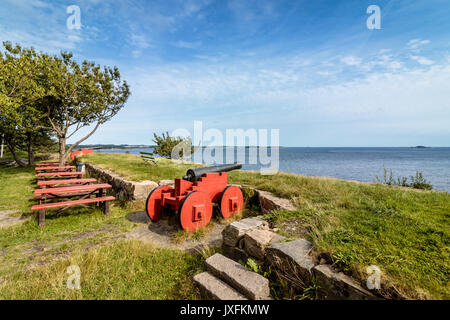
{"x":123,"y":189}
{"x":289,"y":261}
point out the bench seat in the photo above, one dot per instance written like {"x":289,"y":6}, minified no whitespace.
{"x":50,"y":168}
{"x":70,"y":203}
{"x":68,"y":181}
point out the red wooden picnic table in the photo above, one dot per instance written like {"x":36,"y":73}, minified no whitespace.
{"x":54,"y":168}
{"x":54,"y":183}
{"x":83,"y":192}
{"x":59,"y":175}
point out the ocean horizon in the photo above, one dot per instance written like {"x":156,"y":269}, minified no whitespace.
{"x":348,"y":163}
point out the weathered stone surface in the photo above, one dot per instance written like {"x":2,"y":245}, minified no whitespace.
{"x":292,"y":258}
{"x":277,"y":238}
{"x":236,"y":230}
{"x":143,"y":188}
{"x":166,"y":183}
{"x":338,"y":286}
{"x":269,"y":202}
{"x":213,"y":288}
{"x":250,"y":284}
{"x":256,"y":242}
{"x":234,"y":253}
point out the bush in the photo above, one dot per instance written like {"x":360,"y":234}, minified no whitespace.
{"x":165,"y":144}
{"x":417,"y":181}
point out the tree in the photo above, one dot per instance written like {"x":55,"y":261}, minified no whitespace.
{"x":19,"y":89}
{"x":54,"y":95}
{"x":80,"y":96}
{"x":165,"y":145}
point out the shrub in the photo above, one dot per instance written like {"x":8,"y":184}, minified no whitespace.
{"x":417,"y":181}
{"x":165,"y":145}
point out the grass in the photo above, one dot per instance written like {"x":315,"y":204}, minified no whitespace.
{"x":121,"y":270}
{"x":405,"y":232}
{"x":133,"y":168}
{"x":33,"y":260}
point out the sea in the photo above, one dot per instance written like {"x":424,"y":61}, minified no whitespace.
{"x":360,"y":164}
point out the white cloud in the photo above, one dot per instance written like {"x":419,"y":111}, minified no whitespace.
{"x":422,"y":60}
{"x":139,"y":40}
{"x":187,"y":45}
{"x":415,"y":44}
{"x":351,"y":61}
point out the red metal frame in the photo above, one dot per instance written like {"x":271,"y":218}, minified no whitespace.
{"x":193,"y":200}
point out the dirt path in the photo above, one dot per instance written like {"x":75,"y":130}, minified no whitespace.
{"x":162,"y":234}
{"x":6,"y":220}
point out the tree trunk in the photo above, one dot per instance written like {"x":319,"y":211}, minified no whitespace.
{"x":11,"y":148}
{"x":62,"y":151}
{"x":30,"y":149}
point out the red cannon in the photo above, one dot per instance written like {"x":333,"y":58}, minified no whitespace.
{"x":194,"y":194}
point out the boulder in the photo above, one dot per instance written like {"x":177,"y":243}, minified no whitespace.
{"x":250,"y":284}
{"x":212,"y":288}
{"x":293,"y":261}
{"x":234,"y":253}
{"x":236,"y":230}
{"x":338,"y":286}
{"x":256,"y":241}
{"x":142,"y":189}
{"x":167,"y":183}
{"x":269,"y":202}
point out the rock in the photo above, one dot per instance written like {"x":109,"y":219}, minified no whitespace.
{"x":277,"y":238}
{"x":166,"y":183}
{"x":142,"y":189}
{"x":236,"y":230}
{"x":292,"y":258}
{"x":228,"y":251}
{"x":269,"y":202}
{"x":256,"y":242}
{"x":338,"y":286}
{"x":213,"y":288}
{"x":234,"y":253}
{"x":250,"y":284}
{"x":240,"y":255}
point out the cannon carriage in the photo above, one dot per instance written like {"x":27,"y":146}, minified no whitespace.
{"x":193,"y":197}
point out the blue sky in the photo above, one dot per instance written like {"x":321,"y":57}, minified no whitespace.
{"x":309,"y":68}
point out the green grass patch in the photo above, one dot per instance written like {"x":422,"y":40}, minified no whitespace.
{"x":121,"y":270}
{"x":132,"y":167}
{"x":34,"y":260}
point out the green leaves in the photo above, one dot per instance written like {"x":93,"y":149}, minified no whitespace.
{"x":56,"y":93}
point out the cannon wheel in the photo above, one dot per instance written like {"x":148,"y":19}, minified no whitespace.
{"x":231,"y":201}
{"x":153,"y":205}
{"x":196,"y":201}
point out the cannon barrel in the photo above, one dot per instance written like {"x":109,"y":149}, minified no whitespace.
{"x":194,"y":174}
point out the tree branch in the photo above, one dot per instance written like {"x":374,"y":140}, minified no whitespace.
{"x":81,"y":140}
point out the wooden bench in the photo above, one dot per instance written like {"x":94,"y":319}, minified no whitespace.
{"x":53,"y":183}
{"x":67,"y":204}
{"x":70,"y":192}
{"x":55,"y":168}
{"x":148,"y":157}
{"x":46,"y":164}
{"x":59,"y":175}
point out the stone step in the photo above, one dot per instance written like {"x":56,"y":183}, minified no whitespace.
{"x":250,"y":284}
{"x":214,"y":288}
